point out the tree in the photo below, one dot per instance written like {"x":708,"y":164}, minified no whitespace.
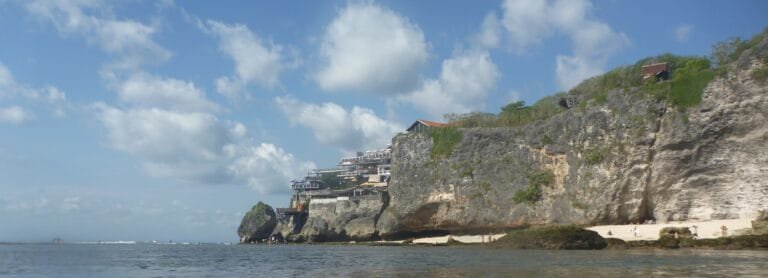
{"x":727,"y":51}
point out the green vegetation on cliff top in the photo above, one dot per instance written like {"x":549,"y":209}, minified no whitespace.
{"x":259,"y":213}
{"x":689,"y":75}
{"x":444,"y":140}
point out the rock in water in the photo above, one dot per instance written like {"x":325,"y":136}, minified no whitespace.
{"x":552,"y":237}
{"x":257,"y":224}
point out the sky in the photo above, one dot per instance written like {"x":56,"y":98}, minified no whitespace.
{"x":163,"y":120}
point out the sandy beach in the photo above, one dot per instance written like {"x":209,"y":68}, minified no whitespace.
{"x":705,"y":229}
{"x":462,"y":239}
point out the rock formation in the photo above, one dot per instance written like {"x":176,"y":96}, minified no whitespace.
{"x":629,"y":157}
{"x":257,"y":224}
{"x":341,"y":220}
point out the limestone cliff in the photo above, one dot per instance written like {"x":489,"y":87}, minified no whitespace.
{"x":628,"y":155}
{"x":335,"y":219}
{"x":628,"y":158}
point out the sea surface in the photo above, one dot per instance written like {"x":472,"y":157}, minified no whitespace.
{"x":213,"y":260}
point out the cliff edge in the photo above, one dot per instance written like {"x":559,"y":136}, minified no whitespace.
{"x":631,"y":154}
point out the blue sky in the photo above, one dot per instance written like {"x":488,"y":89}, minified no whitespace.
{"x":163,"y":120}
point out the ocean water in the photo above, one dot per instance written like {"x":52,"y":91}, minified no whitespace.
{"x":151,"y":260}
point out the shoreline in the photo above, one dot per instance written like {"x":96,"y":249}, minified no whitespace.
{"x":709,"y":229}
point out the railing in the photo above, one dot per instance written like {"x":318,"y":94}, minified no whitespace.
{"x":365,"y":197}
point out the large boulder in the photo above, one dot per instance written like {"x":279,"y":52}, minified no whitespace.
{"x":552,"y":237}
{"x":257,"y":224}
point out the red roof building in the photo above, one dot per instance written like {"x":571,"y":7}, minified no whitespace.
{"x":424,"y":125}
{"x":657,"y":70}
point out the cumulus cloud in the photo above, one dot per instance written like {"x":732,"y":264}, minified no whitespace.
{"x":372,"y":49}
{"x":21,"y":94}
{"x":150,"y":91}
{"x":169,"y":124}
{"x":463,"y":86}
{"x":350,"y":130}
{"x":130,"y":40}
{"x":683,"y":32}
{"x":15,"y":115}
{"x":256,"y":61}
{"x":198,"y":147}
{"x":530,"y":22}
{"x":490,"y":32}
{"x":173,"y":129}
{"x":526,"y":21}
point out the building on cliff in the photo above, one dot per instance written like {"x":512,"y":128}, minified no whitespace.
{"x":659,"y":71}
{"x":424,"y":125}
{"x":358,"y":177}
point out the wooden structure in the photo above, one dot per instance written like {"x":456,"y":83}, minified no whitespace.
{"x":568,"y":102}
{"x":659,"y":71}
{"x":424,"y":126}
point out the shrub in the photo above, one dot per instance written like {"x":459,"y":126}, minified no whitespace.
{"x":444,"y":140}
{"x":601,"y":98}
{"x":467,"y":172}
{"x":546,"y":140}
{"x":532,"y":194}
{"x":593,"y":156}
{"x":473,"y":119}
{"x":517,"y":113}
{"x":730,"y":50}
{"x":689,"y":82}
{"x":761,"y":74}
{"x":485,"y":186}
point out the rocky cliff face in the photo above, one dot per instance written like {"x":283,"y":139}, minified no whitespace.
{"x":338,"y":220}
{"x":257,"y":224}
{"x":629,"y":159}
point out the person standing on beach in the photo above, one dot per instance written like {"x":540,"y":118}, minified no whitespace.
{"x":695,"y":232}
{"x":636,"y":232}
{"x":725,"y":230}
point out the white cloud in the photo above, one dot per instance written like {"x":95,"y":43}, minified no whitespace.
{"x":6,"y":80}
{"x":256,"y":61}
{"x":131,"y":41}
{"x":71,"y":204}
{"x":350,"y":130}
{"x":15,"y":115}
{"x":683,"y":32}
{"x":371,"y":49}
{"x":172,"y":128}
{"x":266,"y":164}
{"x":37,"y":205}
{"x":490,"y":32}
{"x":21,"y":94}
{"x":529,"y":22}
{"x":198,"y":147}
{"x":462,"y":87}
{"x":526,"y":21}
{"x":147,"y":90}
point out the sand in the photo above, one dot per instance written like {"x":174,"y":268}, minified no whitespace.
{"x":462,"y":239}
{"x":705,"y":229}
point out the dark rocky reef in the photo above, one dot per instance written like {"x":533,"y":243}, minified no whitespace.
{"x":552,"y":237}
